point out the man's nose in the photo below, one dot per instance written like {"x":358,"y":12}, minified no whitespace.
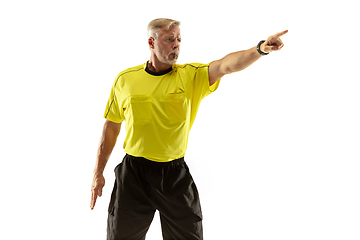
{"x":176,"y":45}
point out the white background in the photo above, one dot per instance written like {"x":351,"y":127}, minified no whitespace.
{"x":274,"y":151}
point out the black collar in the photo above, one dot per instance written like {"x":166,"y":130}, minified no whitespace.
{"x":157,"y":73}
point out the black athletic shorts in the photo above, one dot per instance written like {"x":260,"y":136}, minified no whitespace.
{"x":142,"y":187}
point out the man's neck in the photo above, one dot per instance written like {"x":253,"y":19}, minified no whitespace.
{"x":155,"y":65}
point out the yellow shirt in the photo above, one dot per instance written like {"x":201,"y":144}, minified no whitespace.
{"x":158,"y":108}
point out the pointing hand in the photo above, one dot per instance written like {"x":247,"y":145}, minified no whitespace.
{"x":96,"y":189}
{"x":273,"y":43}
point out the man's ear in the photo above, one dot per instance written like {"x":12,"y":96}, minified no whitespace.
{"x":151,"y":43}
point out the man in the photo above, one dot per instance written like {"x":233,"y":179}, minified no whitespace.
{"x":158,"y":101}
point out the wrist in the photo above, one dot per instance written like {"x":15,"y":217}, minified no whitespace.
{"x":261,"y":48}
{"x":98,"y":172}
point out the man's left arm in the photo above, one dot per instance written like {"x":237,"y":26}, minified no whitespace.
{"x":238,"y":61}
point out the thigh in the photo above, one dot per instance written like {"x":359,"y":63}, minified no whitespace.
{"x":183,"y":227}
{"x":128,"y":224}
{"x":180,"y":210}
{"x":130,"y":210}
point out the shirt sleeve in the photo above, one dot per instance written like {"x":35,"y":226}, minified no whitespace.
{"x":114,"y":111}
{"x":201,"y":81}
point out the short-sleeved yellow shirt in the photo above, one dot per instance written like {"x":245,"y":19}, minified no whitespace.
{"x":158,"y":108}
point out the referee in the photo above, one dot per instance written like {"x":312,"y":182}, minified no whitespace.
{"x":158,"y":101}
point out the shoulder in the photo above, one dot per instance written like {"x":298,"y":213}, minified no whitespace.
{"x":131,"y":70}
{"x":192,"y":66}
{"x":128,"y":72}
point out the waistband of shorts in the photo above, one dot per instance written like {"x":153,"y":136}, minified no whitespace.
{"x":148,"y":161}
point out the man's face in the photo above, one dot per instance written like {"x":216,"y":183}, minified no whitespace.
{"x":167,"y":45}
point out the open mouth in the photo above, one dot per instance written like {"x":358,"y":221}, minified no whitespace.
{"x":175,"y":55}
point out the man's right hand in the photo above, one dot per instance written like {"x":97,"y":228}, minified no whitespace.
{"x":96,"y":188}
{"x":108,"y":138}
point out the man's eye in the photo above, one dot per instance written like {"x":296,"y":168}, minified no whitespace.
{"x":171,"y":39}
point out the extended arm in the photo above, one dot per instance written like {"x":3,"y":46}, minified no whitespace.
{"x":107,"y":143}
{"x":238,"y":61}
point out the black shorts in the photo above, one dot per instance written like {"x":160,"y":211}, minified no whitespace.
{"x":142,"y":187}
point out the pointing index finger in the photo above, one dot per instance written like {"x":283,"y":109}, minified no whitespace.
{"x":93,"y":201}
{"x":278,"y":35}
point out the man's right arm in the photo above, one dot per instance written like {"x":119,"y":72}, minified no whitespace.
{"x":107,"y":143}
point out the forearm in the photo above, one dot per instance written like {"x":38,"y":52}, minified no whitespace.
{"x":106,"y":145}
{"x":238,"y":61}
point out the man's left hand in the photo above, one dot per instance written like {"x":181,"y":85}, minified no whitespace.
{"x":273,"y":43}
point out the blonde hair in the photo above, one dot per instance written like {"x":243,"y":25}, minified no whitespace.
{"x":159,"y":23}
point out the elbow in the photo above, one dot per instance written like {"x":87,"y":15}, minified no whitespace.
{"x":227,"y":70}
